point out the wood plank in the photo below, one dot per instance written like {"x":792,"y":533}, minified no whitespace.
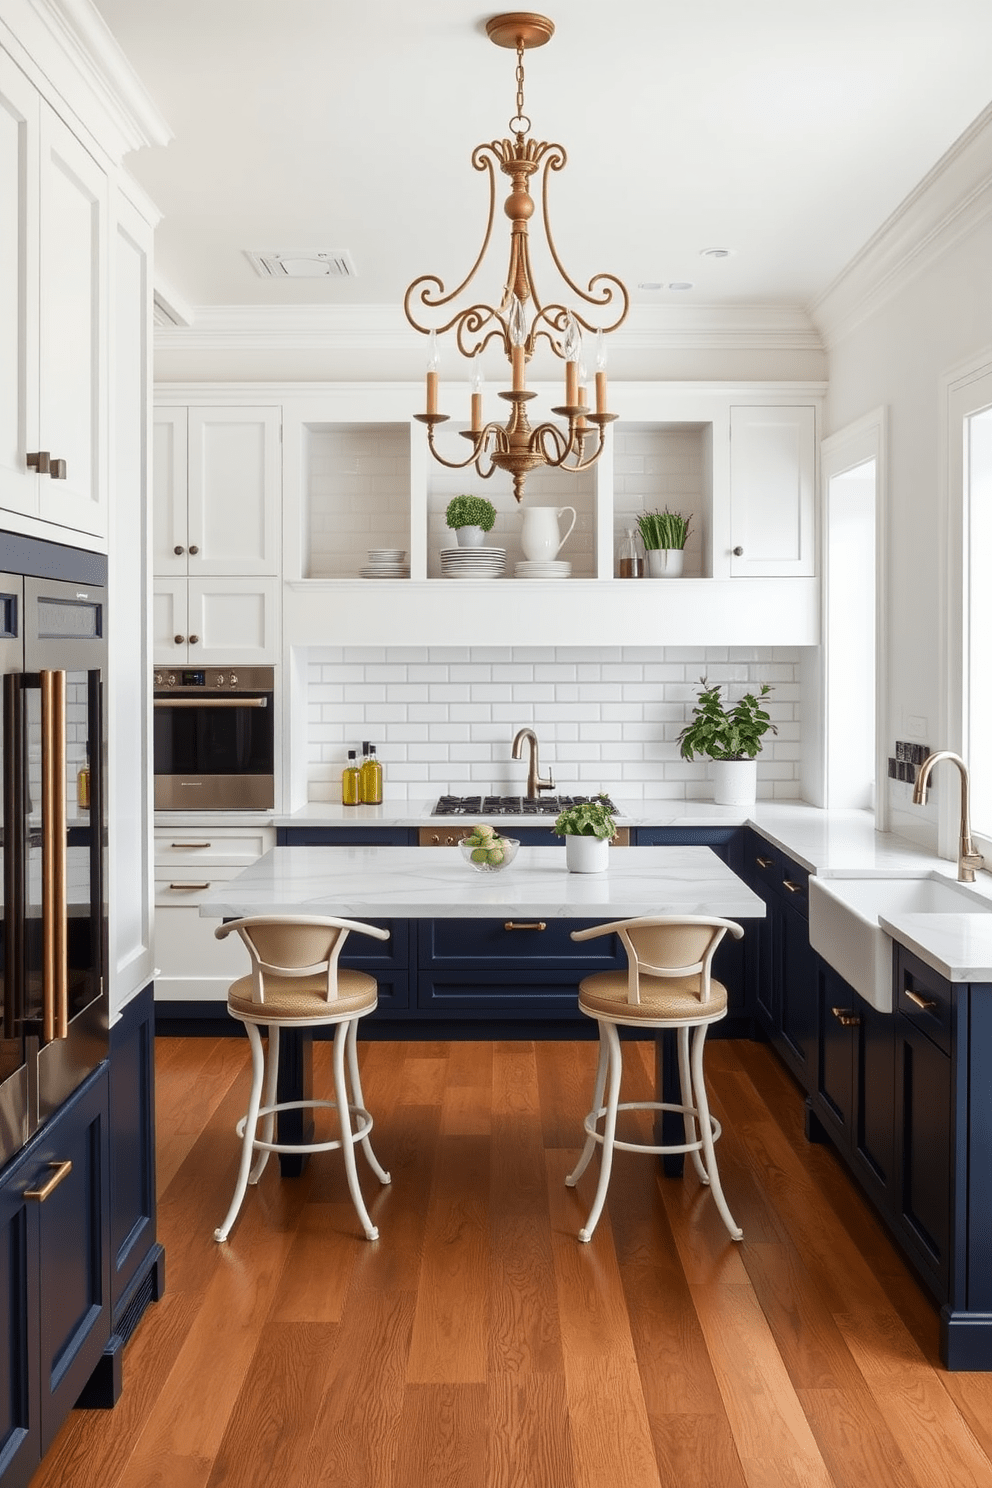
{"x":529,"y":1438}
{"x":766,"y":1416}
{"x":442,"y":1439}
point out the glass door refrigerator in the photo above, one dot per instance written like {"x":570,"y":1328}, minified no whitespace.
{"x":53,"y":922}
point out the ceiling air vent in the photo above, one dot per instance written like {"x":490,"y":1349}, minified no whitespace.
{"x":302,"y":263}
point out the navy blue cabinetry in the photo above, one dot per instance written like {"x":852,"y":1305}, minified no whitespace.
{"x":56,"y":1287}
{"x":356,"y":836}
{"x":784,"y":967}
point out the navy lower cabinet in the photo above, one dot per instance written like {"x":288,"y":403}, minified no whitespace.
{"x":54,"y":1210}
{"x":783,"y":967}
{"x":851,"y":1097}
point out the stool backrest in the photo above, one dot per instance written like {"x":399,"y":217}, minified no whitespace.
{"x":672,"y":946}
{"x":287,"y":948}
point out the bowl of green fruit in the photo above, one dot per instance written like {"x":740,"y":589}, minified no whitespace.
{"x":486,"y":851}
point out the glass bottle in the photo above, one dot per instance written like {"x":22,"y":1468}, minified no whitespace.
{"x":371,"y":778}
{"x":351,"y":782}
{"x":631,"y":564}
{"x":83,"y":782}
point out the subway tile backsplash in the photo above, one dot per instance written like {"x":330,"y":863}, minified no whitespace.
{"x":443,"y":718}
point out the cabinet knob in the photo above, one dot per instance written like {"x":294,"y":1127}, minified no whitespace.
{"x":179,"y":640}
{"x":59,"y":470}
{"x":193,"y":640}
{"x":41,"y":461}
{"x":738,"y":552}
{"x":193,"y":548}
{"x":179,"y":550}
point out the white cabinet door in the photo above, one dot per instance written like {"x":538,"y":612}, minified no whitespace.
{"x":169,"y":602}
{"x":19,"y":112}
{"x":234,"y":508}
{"x":169,"y":526}
{"x":73,"y":329}
{"x":772,"y":491}
{"x":53,"y":313}
{"x":233,"y":621}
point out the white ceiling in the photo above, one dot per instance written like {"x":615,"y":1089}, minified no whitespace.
{"x":787,"y":130}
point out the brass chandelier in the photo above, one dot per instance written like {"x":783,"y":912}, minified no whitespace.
{"x":522,"y":318}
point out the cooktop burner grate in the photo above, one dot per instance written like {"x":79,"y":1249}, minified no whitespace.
{"x":510,"y":805}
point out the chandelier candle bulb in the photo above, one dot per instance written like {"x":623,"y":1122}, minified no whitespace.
{"x":476,"y":395}
{"x":517,"y":363}
{"x":433,"y":359}
{"x":600,"y":374}
{"x":571,"y":384}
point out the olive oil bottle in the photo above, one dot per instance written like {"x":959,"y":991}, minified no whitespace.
{"x":351,"y":782}
{"x":371,"y":778}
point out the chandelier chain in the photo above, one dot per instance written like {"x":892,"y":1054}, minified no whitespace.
{"x":520,"y":119}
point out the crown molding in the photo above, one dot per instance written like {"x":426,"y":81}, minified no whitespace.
{"x":71,"y":55}
{"x":384,"y":327}
{"x":950,"y":202}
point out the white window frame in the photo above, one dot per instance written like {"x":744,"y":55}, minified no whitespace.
{"x":967,"y":390}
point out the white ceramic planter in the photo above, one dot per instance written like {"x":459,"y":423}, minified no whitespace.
{"x":587,"y":854}
{"x":735,"y":782}
{"x":665,"y":563}
{"x":470,"y":537}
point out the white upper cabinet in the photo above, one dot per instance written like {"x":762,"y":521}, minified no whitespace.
{"x":215,"y":621}
{"x":772,"y":492}
{"x":217,"y":484}
{"x":53,"y":292}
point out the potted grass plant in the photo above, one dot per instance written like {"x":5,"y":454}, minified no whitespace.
{"x":730,"y":736}
{"x":664,"y":535}
{"x":470,"y":517}
{"x":587,"y":829}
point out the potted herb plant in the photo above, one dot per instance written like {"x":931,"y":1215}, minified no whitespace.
{"x":471,"y":517}
{"x":664,"y":535}
{"x":729,"y":736}
{"x":587,"y":829}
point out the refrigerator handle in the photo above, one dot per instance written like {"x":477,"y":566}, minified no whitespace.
{"x":13,"y":853}
{"x":54,"y":914}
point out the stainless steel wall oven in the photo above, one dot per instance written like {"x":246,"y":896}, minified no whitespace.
{"x":214,"y":739}
{"x":53,"y":920}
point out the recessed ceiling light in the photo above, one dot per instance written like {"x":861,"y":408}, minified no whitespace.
{"x":301,"y":263}
{"x":650,"y":284}
{"x":681,"y":284}
{"x":716,"y":253}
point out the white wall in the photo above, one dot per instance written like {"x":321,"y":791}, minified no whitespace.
{"x":895,"y":356}
{"x":444,"y":718}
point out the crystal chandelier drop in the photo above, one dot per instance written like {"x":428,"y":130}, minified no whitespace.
{"x":521,"y":318}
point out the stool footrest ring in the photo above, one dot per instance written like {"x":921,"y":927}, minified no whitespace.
{"x":669,"y":1149}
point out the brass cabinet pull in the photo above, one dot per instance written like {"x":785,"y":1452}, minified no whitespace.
{"x":39,"y":460}
{"x":765,"y":862}
{"x":846,"y":1018}
{"x":192,"y":844}
{"x":188,"y":888}
{"x":927,"y":1005}
{"x":218,"y":700}
{"x":525,"y":925}
{"x":59,"y":470}
{"x":792,"y":888}
{"x":54,"y":919}
{"x":60,"y":1170}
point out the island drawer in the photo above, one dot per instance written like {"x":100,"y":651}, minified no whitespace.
{"x":925,"y":998}
{"x":517,"y":940}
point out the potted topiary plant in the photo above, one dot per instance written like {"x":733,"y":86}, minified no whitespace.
{"x":730,"y":737}
{"x":471,"y":517}
{"x":587,"y":829}
{"x":664,"y":535}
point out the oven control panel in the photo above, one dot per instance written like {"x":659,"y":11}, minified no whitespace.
{"x":201,"y":681}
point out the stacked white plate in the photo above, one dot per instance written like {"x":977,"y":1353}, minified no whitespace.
{"x":386,"y":563}
{"x":545,"y":568}
{"x":472,"y":563}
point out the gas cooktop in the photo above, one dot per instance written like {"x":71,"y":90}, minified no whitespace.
{"x":510,"y":805}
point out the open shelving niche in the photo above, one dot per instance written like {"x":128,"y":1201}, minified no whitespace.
{"x":358,"y":475}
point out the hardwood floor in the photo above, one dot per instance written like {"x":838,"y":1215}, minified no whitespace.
{"x":478,"y":1344}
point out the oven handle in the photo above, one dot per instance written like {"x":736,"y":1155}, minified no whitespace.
{"x":227,"y":701}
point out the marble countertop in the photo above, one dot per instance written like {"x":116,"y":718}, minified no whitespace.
{"x":437,"y":883}
{"x":830,"y":844}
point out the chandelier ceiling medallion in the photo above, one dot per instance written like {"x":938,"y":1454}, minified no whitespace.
{"x":522,"y":318}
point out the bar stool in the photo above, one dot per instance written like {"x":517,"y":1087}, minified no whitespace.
{"x":667,"y":984}
{"x":296,"y":982}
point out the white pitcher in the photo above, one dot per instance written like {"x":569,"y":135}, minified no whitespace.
{"x":540,"y":538}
